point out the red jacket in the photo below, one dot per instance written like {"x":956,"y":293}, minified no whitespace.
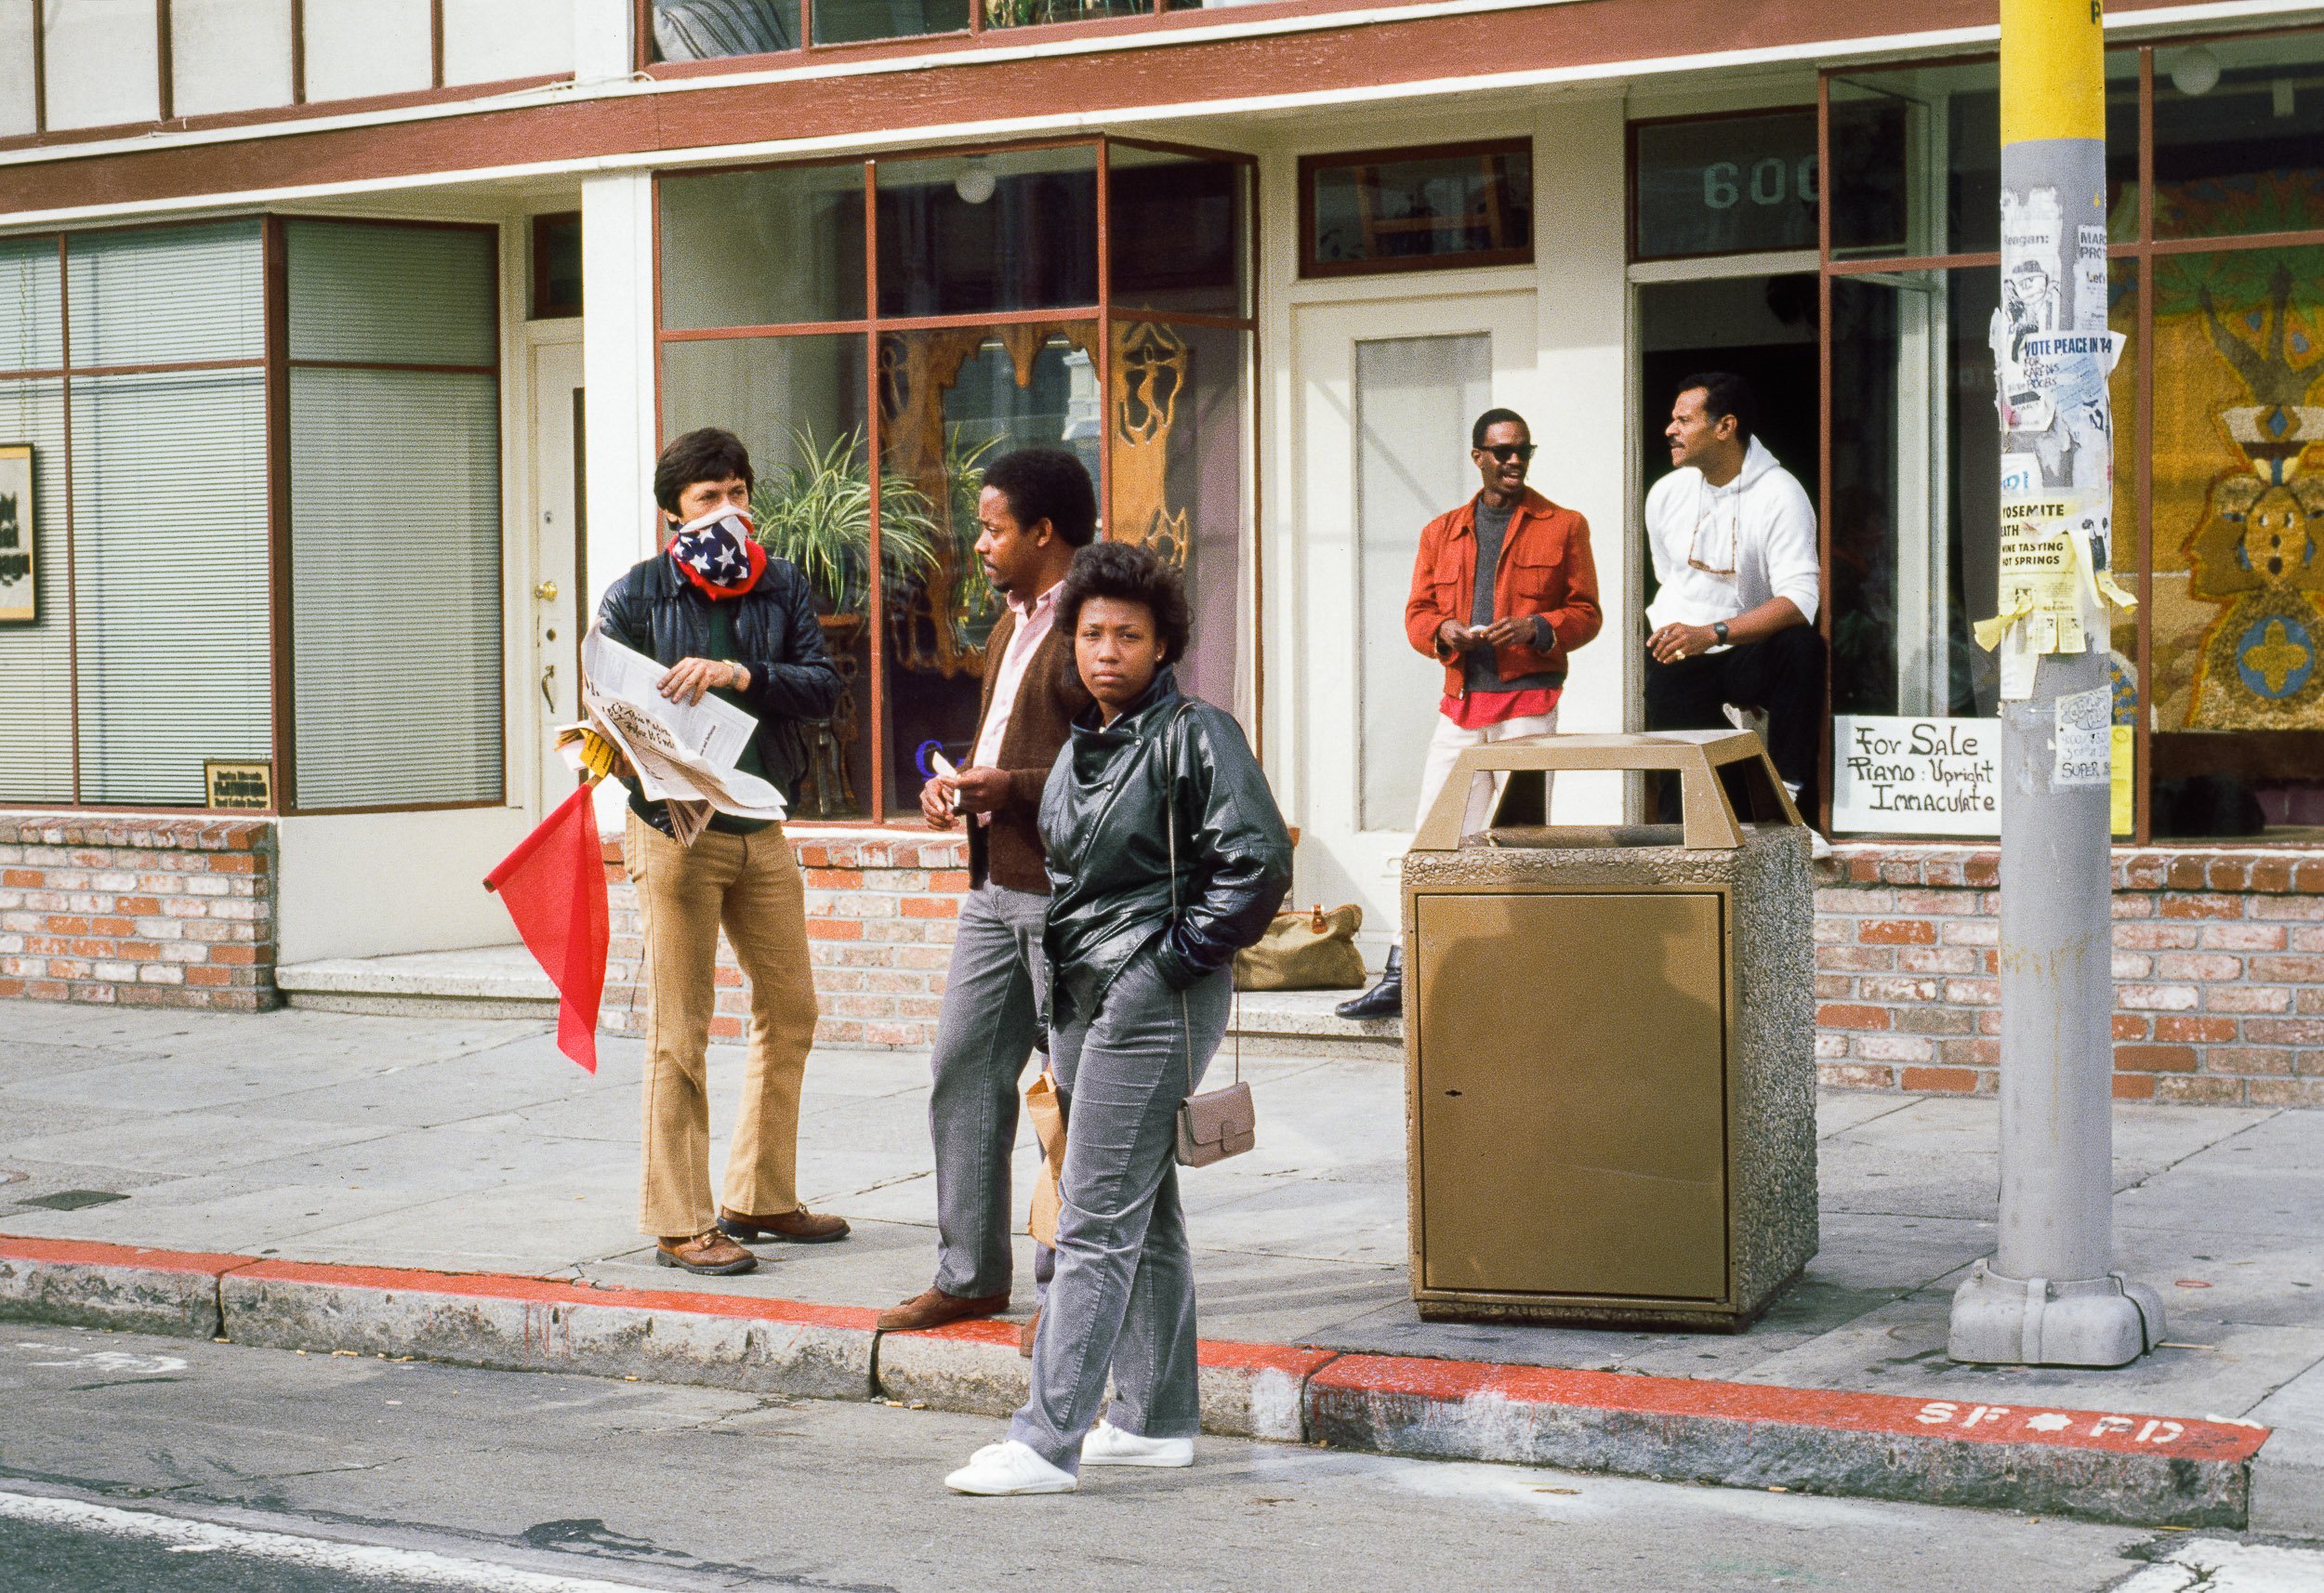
{"x":1545,"y":569}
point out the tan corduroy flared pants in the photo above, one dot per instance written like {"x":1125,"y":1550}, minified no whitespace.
{"x":750,"y":885}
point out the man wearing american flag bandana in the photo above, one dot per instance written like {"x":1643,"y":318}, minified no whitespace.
{"x":724,"y":618}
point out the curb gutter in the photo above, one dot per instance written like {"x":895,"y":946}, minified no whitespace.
{"x":2095,"y":1465}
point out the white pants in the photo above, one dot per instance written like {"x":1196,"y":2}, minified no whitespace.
{"x":1445,"y":745}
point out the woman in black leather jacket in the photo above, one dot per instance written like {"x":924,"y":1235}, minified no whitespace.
{"x":1165,"y":857}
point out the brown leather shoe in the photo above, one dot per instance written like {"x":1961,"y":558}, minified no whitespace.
{"x":800,"y":1226}
{"x":936,"y":1308}
{"x":712,"y":1253}
{"x":1024,"y":1337}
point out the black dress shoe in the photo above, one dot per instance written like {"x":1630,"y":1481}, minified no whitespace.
{"x":1384,"y":999}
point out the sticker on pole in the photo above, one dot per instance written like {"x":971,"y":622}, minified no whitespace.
{"x":2085,"y":739}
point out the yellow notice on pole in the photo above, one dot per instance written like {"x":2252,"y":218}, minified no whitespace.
{"x":2050,"y":545}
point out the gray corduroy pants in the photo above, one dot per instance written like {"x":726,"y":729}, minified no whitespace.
{"x":991,"y":1021}
{"x":1123,"y":1299}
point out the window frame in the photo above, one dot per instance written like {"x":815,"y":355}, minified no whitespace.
{"x":1631,"y":169}
{"x":539,"y":304}
{"x":437,"y":91}
{"x":275,"y":362}
{"x":872,"y":325}
{"x":1313,"y":270}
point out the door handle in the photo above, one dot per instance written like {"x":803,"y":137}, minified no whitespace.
{"x":548,"y":695}
{"x":546,"y":591}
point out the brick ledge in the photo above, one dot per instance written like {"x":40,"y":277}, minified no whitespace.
{"x":2268,"y":870}
{"x":203,"y":833}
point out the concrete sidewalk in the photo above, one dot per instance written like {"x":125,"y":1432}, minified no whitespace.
{"x":472,"y":1147}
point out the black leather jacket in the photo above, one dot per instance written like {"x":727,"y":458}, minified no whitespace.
{"x":656,"y":611}
{"x":1107,"y":812}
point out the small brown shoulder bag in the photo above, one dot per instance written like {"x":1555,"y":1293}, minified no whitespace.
{"x":1219,"y":1123}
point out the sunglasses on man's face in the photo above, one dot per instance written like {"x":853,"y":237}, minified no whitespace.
{"x":1505,"y":451}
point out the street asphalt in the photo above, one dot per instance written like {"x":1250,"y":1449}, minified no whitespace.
{"x":471,"y":1145}
{"x":130,"y":1463}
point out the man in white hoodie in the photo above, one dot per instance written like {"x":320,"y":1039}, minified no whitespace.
{"x":1732,"y":536}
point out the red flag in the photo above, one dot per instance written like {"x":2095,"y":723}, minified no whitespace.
{"x":554,"y":886}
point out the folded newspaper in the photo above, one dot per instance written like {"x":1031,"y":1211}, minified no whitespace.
{"x":683,"y":753}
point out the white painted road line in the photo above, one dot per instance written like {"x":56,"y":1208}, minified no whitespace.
{"x":178,"y":1536}
{"x":2221,"y":1565}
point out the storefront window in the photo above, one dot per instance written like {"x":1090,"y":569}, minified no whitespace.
{"x":2239,"y":137}
{"x":951,"y":400}
{"x":172,"y":572}
{"x":1917,"y":159}
{"x":988,"y":331}
{"x":395,"y":514}
{"x":981,"y":234}
{"x":1915,"y":494}
{"x":798,"y":405}
{"x":1401,"y":210}
{"x":1181,"y":239}
{"x":35,"y":653}
{"x":2217,"y":514}
{"x":1175,"y":437}
{"x":2239,"y":529}
{"x":762,"y":248}
{"x":1723,"y":185}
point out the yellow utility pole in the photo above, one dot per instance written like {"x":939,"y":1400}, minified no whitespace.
{"x":2048,"y":1296}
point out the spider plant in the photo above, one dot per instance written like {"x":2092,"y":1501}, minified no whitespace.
{"x":816,"y":512}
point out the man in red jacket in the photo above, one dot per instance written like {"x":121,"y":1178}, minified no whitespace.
{"x":1503,"y":589}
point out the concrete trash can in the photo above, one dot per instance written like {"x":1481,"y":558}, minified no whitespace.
{"x":1610,"y":1045}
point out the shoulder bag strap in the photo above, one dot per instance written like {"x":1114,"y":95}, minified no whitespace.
{"x":1170,"y":828}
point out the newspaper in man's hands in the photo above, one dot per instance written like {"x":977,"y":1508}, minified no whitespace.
{"x":683,"y":754}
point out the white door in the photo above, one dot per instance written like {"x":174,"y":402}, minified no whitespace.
{"x":1388,"y":390}
{"x":559,"y":579}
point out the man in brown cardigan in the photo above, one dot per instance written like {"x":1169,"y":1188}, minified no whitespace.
{"x":1037,"y":507}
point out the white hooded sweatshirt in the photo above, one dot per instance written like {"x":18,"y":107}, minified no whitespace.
{"x":1722,"y":551}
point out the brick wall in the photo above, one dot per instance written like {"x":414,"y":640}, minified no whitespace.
{"x":880,"y":909}
{"x":2218,"y":959}
{"x":2218,"y":967}
{"x":137,"y":911}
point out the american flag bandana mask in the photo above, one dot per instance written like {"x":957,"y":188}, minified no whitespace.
{"x":717,"y":554}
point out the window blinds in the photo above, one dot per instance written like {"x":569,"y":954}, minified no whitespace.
{"x":169,"y":510}
{"x":35,"y":659}
{"x":163,"y":294}
{"x":169,"y":522}
{"x":395,"y":517}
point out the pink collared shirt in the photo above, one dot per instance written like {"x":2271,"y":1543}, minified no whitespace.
{"x":1033,"y":626}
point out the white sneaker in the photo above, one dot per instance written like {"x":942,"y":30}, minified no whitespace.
{"x":1010,"y":1468}
{"x":1817,"y":846}
{"x":1109,"y":1445}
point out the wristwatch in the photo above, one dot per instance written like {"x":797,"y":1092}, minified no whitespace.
{"x":1719,"y":629}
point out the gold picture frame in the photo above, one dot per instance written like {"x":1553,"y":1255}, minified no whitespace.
{"x":19,"y":561}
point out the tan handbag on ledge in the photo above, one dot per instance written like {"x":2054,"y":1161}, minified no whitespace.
{"x":1315,"y":949}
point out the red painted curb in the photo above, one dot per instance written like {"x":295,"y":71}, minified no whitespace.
{"x":1322,"y":1371}
{"x":552,"y":1291}
{"x":88,"y":1253}
{"x":1832,"y":1410}
{"x":1224,"y":1354}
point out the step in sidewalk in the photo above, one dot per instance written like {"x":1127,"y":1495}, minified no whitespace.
{"x":504,"y":981}
{"x":2141,"y":1469}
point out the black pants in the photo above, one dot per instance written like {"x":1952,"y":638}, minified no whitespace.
{"x":1783,"y":676}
